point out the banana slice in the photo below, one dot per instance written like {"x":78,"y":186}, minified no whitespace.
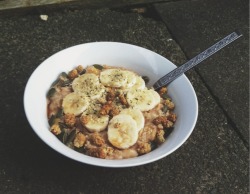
{"x":143,"y":100}
{"x":74,"y":103}
{"x":131,"y":79}
{"x":83,"y":81}
{"x":122,"y":131}
{"x":89,"y":85}
{"x":137,"y":115}
{"x":156,"y":96}
{"x":139,"y":84}
{"x":96,"y":123}
{"x":93,"y":108}
{"x":113,"y":78}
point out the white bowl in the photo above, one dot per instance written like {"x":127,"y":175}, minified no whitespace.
{"x":142,"y":61}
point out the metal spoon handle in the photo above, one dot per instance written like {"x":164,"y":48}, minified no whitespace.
{"x":166,"y":79}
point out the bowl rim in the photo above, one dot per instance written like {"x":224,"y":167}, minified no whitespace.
{"x":130,"y":162}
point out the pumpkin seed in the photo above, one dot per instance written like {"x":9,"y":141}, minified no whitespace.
{"x":52,"y":120}
{"x":81,"y":149}
{"x":70,"y":145}
{"x":51,"y":92}
{"x":65,"y":137}
{"x":165,"y":96}
{"x":60,"y":136}
{"x":168,"y":131}
{"x":59,"y":113}
{"x":62,"y":125}
{"x":146,"y":79}
{"x":165,"y":109}
{"x":82,"y":72}
{"x":65,"y":83}
{"x":63,"y":75}
{"x":71,"y":136}
{"x":153,"y":145}
{"x":55,"y":82}
{"x":100,"y":67}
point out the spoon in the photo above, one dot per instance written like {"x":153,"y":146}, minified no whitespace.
{"x":171,"y":76}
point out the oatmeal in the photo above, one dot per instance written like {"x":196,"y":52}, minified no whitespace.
{"x":108,"y":112}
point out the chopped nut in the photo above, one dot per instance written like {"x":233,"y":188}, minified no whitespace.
{"x":69,"y":120}
{"x":79,"y":140}
{"x":159,"y":120}
{"x":123,"y":99}
{"x":55,"y":129}
{"x":94,"y":152}
{"x":160,"y":136}
{"x":169,"y":104}
{"x":84,"y":119}
{"x":160,"y":126}
{"x":172,"y":117}
{"x":168,"y":124}
{"x":102,"y":153}
{"x":110,"y":95}
{"x":164,"y":121}
{"x":96,"y":139}
{"x":109,"y":150}
{"x":162,"y":91}
{"x":143,"y":148}
{"x":99,"y":152}
{"x":106,"y":108}
{"x":114,"y":111}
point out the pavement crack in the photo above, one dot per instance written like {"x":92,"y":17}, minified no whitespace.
{"x":229,"y":119}
{"x":217,"y":100}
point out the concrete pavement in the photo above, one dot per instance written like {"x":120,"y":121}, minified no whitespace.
{"x":215,"y":157}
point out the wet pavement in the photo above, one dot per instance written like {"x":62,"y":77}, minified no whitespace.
{"x":213,"y":160}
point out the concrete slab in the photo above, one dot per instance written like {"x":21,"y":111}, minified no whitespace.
{"x":196,"y":25}
{"x":6,"y":5}
{"x":213,"y":160}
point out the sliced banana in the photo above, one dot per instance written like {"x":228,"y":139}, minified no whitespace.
{"x":96,"y":123}
{"x":139,"y":84}
{"x":89,"y":85}
{"x":83,"y":81}
{"x":156,"y":96}
{"x":131,"y":79}
{"x":93,"y":108}
{"x":143,"y":100}
{"x":137,"y":115}
{"x":74,"y":103}
{"x":113,"y":78}
{"x":122,"y":131}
